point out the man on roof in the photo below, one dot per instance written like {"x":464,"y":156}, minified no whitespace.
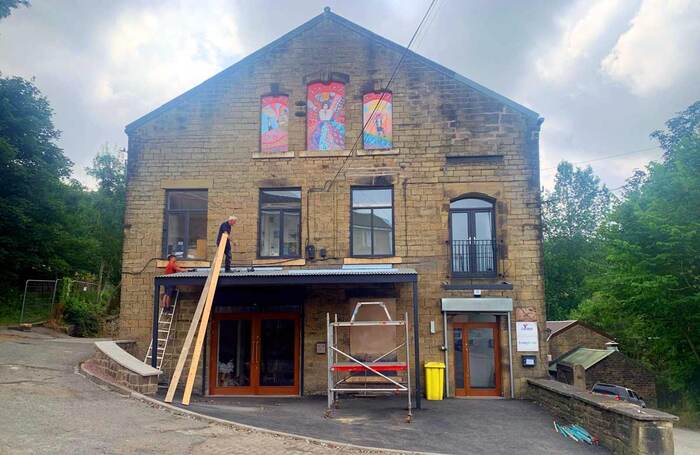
{"x":226,"y":227}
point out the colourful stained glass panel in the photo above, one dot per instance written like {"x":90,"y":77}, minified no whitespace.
{"x":378,"y":129}
{"x":325,"y":116}
{"x":274,"y":121}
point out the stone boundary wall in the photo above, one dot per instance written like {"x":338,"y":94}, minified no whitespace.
{"x":622,"y":427}
{"x":108,"y":362}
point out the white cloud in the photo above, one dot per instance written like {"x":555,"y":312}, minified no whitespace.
{"x":581,"y":30}
{"x":156,"y":53}
{"x":660,"y":47}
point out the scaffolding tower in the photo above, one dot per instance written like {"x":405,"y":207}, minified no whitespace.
{"x":343,"y":367}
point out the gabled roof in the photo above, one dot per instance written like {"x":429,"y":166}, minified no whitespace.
{"x":559,"y":327}
{"x":556,"y":326}
{"x":585,"y":356}
{"x":327,"y":14}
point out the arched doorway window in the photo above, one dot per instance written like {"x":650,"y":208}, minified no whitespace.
{"x":473,"y":236}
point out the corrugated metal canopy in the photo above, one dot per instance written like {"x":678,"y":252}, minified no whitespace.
{"x":265,"y":275}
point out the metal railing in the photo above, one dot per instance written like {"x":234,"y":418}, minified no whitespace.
{"x":473,"y":257}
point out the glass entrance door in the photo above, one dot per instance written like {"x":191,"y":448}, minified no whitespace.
{"x":477,"y":359}
{"x":254,"y":354}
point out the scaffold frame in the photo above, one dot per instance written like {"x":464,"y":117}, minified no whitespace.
{"x":342,"y":364}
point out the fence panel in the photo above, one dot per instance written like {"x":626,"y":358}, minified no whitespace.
{"x":38,"y":300}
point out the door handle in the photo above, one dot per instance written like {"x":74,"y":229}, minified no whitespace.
{"x":256,"y":351}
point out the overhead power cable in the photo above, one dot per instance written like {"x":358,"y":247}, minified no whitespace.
{"x":606,"y":157}
{"x":329,"y":184}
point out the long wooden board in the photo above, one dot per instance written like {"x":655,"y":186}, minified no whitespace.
{"x":174,"y":382}
{"x":204,"y":321}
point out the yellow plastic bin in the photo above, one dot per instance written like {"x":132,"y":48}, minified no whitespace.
{"x":434,"y":380}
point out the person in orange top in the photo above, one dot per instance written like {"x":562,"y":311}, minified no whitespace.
{"x":169,"y":294}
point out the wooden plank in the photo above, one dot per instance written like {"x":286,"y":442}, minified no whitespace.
{"x":175,"y":380}
{"x":204,"y":320}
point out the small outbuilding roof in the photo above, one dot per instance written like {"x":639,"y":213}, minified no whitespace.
{"x":558,"y":327}
{"x":582,"y":356}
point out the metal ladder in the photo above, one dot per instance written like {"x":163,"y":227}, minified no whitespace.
{"x":165,"y":323}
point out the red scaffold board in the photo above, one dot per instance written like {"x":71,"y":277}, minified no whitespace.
{"x":384,"y":366}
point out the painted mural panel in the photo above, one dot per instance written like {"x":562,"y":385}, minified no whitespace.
{"x":325,"y":116}
{"x":378,"y":131}
{"x":274,"y":122}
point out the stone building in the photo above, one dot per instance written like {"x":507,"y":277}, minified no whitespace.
{"x":565,"y":336}
{"x":436,"y":203}
{"x":608,"y":366}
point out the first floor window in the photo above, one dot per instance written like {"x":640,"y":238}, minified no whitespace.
{"x":186,"y":224}
{"x":279,"y":234}
{"x":372,"y":230}
{"x":472,"y":235}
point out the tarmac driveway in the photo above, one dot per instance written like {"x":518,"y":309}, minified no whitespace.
{"x":46,"y":407}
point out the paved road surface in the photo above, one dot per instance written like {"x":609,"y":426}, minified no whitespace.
{"x":686,"y":442}
{"x":46,"y":407}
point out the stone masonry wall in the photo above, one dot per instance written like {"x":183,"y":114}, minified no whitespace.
{"x":578,"y":336}
{"x":618,"y":425}
{"x":209,"y":140}
{"x":104,"y":366}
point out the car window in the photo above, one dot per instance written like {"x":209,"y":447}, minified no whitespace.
{"x":603,"y":390}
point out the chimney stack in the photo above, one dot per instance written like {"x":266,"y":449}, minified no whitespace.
{"x":612,"y":346}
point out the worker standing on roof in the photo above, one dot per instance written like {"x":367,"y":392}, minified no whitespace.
{"x":226,"y":227}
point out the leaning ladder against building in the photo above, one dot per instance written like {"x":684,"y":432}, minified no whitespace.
{"x":165,"y":323}
{"x":342,"y":365}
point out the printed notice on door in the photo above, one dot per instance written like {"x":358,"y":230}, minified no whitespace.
{"x":526,"y":334}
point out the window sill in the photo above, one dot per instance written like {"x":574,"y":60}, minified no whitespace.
{"x":474,"y":277}
{"x":280,"y":262}
{"x":272,"y":155}
{"x":322,"y":153}
{"x":385,"y":260}
{"x":378,"y":152}
{"x":185,"y":263}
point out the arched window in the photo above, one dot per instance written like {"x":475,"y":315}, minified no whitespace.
{"x":473,"y":236}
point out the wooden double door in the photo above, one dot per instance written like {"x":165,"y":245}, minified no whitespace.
{"x":477,"y":359}
{"x":254,"y":354}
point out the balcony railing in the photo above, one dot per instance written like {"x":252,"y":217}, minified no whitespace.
{"x":473,"y":258}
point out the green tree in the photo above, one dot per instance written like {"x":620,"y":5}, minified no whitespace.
{"x":108,"y":168}
{"x":685,"y":124}
{"x":647,"y":290}
{"x":578,"y":204}
{"x":6,"y":6}
{"x":31,"y":169}
{"x":572,"y":214}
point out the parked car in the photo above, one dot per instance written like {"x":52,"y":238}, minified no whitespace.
{"x":619,"y":392}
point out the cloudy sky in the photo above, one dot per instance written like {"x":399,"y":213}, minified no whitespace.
{"x":603,"y":73}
